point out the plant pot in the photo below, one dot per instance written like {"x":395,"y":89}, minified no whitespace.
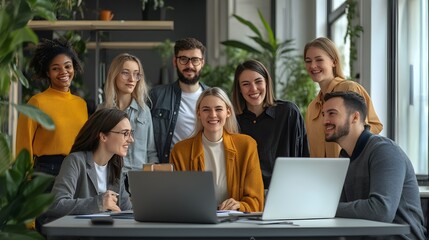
{"x":164,"y":75}
{"x":150,"y":14}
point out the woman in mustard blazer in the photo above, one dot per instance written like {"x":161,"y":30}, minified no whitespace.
{"x":217,"y":146}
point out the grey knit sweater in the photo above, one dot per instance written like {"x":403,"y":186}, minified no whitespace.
{"x":381,"y":185}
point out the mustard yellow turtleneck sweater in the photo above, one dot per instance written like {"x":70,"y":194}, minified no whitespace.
{"x":69,"y":113}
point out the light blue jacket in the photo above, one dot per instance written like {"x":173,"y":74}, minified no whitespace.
{"x":143,"y":149}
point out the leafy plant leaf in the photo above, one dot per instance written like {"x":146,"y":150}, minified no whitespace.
{"x":5,"y":83}
{"x":39,"y":183}
{"x":248,"y":24}
{"x":270,"y":34}
{"x":22,"y":35}
{"x":269,"y":50}
{"x":36,"y":114}
{"x":5,"y":155}
{"x":34,"y":206}
{"x":15,"y":232}
{"x":240,"y":45}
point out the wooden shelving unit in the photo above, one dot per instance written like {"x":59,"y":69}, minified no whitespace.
{"x":123,"y":45}
{"x":93,"y":25}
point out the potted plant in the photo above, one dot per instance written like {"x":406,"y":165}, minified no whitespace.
{"x":165,"y":50}
{"x":68,"y":9}
{"x":157,"y":6}
{"x":271,"y":52}
{"x":22,"y":196}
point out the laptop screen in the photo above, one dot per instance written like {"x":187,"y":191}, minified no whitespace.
{"x":173,"y":196}
{"x":304,"y":188}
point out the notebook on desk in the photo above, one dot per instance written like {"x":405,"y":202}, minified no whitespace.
{"x":181,"y":197}
{"x":305,"y":188}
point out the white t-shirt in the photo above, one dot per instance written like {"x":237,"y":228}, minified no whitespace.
{"x":101,"y":177}
{"x":185,"y":123}
{"x":214,"y":161}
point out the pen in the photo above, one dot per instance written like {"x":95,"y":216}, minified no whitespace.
{"x":114,"y":194}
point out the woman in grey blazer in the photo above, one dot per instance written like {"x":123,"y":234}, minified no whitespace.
{"x":90,"y":177}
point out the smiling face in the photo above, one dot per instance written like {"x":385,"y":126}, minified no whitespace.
{"x":188,"y":73}
{"x":61,"y":72}
{"x":116,"y":142}
{"x":130,"y":69}
{"x":319,"y":65}
{"x":336,"y":120}
{"x":213,"y":112}
{"x":253,"y":88}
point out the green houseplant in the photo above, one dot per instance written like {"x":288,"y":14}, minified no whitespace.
{"x":299,"y":88}
{"x":271,"y":52}
{"x":353,"y":32}
{"x":22,"y":196}
{"x":223,"y":75}
{"x":165,"y":50}
{"x":154,"y":5}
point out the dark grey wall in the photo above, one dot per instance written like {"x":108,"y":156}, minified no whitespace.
{"x":189,"y":18}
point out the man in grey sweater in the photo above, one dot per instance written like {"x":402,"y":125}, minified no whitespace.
{"x":381,"y":184}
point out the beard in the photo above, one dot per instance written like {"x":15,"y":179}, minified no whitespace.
{"x":188,"y":81}
{"x":341,"y":131}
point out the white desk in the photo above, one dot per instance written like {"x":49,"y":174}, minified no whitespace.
{"x":69,"y":226}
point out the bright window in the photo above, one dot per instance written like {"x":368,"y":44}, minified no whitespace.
{"x":411,"y":128}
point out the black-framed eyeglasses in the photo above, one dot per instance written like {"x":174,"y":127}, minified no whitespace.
{"x":194,"y":60}
{"x":126,"y":133}
{"x":127,"y":75}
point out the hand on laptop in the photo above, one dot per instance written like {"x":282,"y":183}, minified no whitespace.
{"x":229,"y":204}
{"x":110,"y":199}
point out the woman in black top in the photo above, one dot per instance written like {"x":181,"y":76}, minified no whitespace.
{"x":277,"y":126}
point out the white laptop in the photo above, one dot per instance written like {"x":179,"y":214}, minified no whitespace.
{"x":305,"y":188}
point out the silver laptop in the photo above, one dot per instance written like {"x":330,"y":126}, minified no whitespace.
{"x":181,"y":197}
{"x":305,"y":188}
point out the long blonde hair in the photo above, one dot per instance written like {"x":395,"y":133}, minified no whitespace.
{"x":140,"y":93}
{"x":231,"y":124}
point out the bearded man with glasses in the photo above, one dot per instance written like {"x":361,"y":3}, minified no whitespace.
{"x":173,"y":105}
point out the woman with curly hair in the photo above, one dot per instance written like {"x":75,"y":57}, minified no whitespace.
{"x":57,"y":62}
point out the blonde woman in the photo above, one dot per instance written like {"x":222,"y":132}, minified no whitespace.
{"x":126,"y":89}
{"x":323,"y":64}
{"x":216,"y":146}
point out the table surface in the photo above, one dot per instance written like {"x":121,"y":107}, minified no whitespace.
{"x":424,"y":191}
{"x":74,"y":227}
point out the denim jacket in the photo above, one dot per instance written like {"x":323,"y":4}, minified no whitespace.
{"x":143,"y":149}
{"x":165,"y":108}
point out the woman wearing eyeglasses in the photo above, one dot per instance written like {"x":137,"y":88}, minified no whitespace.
{"x":126,"y":89}
{"x":90,"y":177}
